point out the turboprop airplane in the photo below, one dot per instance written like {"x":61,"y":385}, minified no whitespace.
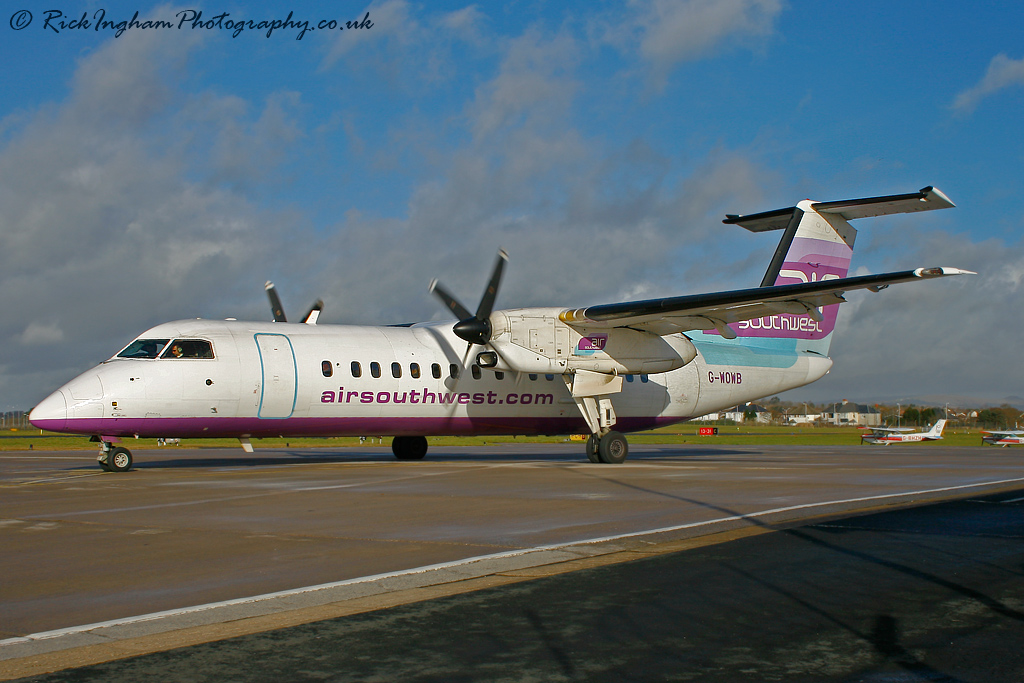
{"x":888,"y":435}
{"x":601,"y":370}
{"x":1007,"y":438}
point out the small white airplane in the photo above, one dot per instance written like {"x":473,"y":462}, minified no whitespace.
{"x":632,"y":366}
{"x":1006,"y":438}
{"x":888,"y":435}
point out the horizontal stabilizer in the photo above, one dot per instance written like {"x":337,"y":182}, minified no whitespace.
{"x":926,"y":199}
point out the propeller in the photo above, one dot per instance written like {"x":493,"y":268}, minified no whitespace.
{"x":275,"y":303}
{"x":474,"y":328}
{"x":278,"y":310}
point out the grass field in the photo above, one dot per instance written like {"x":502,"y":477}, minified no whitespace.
{"x":675,"y":434}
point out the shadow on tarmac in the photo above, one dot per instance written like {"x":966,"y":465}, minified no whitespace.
{"x":925,"y":594}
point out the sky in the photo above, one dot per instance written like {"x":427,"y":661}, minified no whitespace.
{"x":159,"y":173}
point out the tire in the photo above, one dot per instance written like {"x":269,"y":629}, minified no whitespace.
{"x":592,"y":455}
{"x":613,"y":448}
{"x":119,"y":460}
{"x":409,"y":447}
{"x":102,"y":461}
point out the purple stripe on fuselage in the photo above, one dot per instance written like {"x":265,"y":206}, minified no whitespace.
{"x":233,"y":427}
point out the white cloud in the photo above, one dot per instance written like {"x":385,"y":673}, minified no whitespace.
{"x":42,"y":334}
{"x":954,"y":336}
{"x":666,"y":33}
{"x":405,"y":49}
{"x":1002,"y":73}
{"x":110,"y":221}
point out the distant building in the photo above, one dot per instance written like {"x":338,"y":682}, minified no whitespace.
{"x":15,"y":419}
{"x":847,"y":413}
{"x":802,"y":418}
{"x":738,"y":414}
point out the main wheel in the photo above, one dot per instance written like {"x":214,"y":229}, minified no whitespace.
{"x":612,"y":448}
{"x":119,"y":459}
{"x":592,"y":455}
{"x":409,"y":447}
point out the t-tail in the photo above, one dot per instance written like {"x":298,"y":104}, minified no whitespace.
{"x":817,"y":244}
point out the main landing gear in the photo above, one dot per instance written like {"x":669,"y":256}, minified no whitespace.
{"x":114,"y":459}
{"x":610,"y":448}
{"x":409,"y":447}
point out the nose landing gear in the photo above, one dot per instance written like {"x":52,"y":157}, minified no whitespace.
{"x":114,"y":459}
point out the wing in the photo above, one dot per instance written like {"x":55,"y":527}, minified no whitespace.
{"x":890,"y":430}
{"x":715,"y":311}
{"x":1009,"y":433}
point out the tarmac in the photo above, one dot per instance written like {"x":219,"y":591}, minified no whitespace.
{"x":191,"y":565}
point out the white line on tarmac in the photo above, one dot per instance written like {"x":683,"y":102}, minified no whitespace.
{"x":45,"y":635}
{"x":50,"y":480}
{"x":272,"y":492}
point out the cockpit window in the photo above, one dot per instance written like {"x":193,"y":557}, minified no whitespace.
{"x":189,"y":348}
{"x":144,"y":348}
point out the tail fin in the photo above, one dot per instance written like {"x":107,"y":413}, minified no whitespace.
{"x":817,"y":244}
{"x":937,"y":428}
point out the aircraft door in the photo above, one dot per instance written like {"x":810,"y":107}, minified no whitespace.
{"x":277,"y":361}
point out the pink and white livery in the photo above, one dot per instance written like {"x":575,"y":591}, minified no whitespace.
{"x":887,"y":435}
{"x":628,"y":366}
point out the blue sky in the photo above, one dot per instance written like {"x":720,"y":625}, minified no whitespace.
{"x":167,"y":174}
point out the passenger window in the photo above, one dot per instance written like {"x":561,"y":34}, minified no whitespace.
{"x":357,"y":371}
{"x":189,"y":348}
{"x":435,"y":370}
{"x":498,"y":374}
{"x":327,"y":368}
{"x":453,"y":370}
{"x":396,"y":370}
{"x":533,"y":376}
{"x":629,"y":378}
{"x":144,"y":348}
{"x":549,"y":377}
{"x":375,"y":369}
{"x":414,"y":370}
{"x":643,"y":378}
{"x":476,"y":371}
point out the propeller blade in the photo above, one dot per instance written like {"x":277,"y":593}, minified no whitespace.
{"x":275,"y":303}
{"x":314,"y":312}
{"x":460,"y":311}
{"x":475,"y":328}
{"x":483,"y":311}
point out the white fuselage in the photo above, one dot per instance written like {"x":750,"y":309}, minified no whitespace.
{"x":270,"y":379}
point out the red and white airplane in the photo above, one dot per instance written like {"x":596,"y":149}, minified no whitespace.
{"x":601,"y":370}
{"x":1006,"y":438}
{"x":888,"y":435}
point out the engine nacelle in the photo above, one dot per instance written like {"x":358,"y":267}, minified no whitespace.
{"x":535,"y":341}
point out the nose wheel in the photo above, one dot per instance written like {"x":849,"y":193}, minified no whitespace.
{"x":115,"y":459}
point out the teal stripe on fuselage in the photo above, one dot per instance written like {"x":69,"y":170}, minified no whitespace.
{"x":759,"y":352}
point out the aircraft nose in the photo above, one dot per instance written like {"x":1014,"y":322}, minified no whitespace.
{"x":51,"y":414}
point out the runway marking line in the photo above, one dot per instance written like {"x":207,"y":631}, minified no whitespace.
{"x":194,"y":635}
